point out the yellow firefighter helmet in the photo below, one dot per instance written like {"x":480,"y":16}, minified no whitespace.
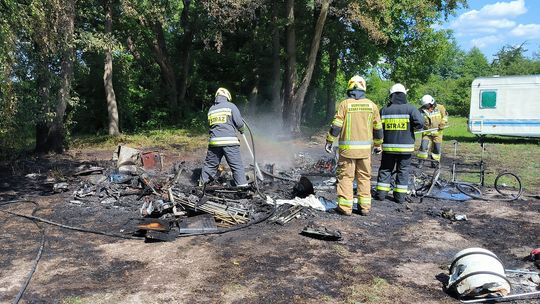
{"x":224,"y":92}
{"x":356,"y":83}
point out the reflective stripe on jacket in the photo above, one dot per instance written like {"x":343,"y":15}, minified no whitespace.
{"x":224,"y":119}
{"x":358,"y":126}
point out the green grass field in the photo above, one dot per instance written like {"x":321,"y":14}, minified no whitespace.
{"x":518,"y":155}
{"x":163,"y":139}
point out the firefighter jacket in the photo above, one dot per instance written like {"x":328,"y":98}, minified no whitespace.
{"x":438,"y":118}
{"x":357,"y":124}
{"x":224,"y":119}
{"x":399,"y":120}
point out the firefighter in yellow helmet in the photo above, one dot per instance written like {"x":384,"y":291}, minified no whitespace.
{"x":436,"y":117}
{"x":357,"y":126}
{"x":224,"y":119}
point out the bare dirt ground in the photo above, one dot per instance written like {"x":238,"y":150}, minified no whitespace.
{"x":397,"y":254}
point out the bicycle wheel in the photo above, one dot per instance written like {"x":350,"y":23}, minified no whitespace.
{"x":469,"y":190}
{"x":509,"y":185}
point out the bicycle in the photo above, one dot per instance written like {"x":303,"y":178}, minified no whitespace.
{"x":507,"y":184}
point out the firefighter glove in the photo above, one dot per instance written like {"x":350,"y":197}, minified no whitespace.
{"x":328,"y":147}
{"x":377,"y":150}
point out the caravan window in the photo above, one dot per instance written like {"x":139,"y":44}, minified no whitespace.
{"x":488,"y":99}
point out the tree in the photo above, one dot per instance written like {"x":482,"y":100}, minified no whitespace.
{"x":294,"y":96}
{"x":54,"y":32}
{"x":475,"y":64}
{"x":511,"y":60}
{"x":112,"y":107}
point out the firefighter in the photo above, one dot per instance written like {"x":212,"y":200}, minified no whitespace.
{"x":224,"y":119}
{"x":399,"y":120}
{"x":357,"y":126}
{"x":436,"y":117}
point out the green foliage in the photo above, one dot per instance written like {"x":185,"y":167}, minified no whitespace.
{"x":510,"y":60}
{"x":230,"y":45}
{"x":377,"y":88}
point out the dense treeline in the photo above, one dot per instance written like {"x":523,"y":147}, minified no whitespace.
{"x":111,"y":66}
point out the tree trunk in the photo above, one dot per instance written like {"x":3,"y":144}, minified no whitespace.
{"x":254,"y":94}
{"x":277,"y":105}
{"x":295,"y":108}
{"x":132,"y":49}
{"x":112,"y":107}
{"x":187,"y":48}
{"x":309,"y":103}
{"x":331,"y":83}
{"x":56,"y":134}
{"x":43,"y":84}
{"x":307,"y":111}
{"x":290,"y":69}
{"x":168,"y":77}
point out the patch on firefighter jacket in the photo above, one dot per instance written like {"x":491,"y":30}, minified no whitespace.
{"x":359,"y":107}
{"x":396,"y":124}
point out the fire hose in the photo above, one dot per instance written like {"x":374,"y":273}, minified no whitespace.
{"x":257,"y":170}
{"x":38,"y":255}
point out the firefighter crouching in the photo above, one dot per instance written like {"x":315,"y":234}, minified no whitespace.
{"x":358,"y":125}
{"x":224,"y":119}
{"x":399,"y":120}
{"x":436,"y":117}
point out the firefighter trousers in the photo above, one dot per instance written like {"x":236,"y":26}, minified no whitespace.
{"x":436,"y":145}
{"x":234,"y":159}
{"x":402,"y":164}
{"x":348,"y":170}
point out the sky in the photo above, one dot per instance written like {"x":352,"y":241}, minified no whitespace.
{"x":491,"y":24}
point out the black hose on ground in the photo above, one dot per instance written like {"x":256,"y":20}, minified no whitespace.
{"x":38,"y":255}
{"x":46,"y":221}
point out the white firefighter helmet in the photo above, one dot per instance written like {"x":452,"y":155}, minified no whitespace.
{"x":224,"y":92}
{"x":356,"y":83}
{"x":398,"y":88}
{"x":427,"y":100}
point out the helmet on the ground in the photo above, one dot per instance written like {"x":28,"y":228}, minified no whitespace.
{"x":427,"y":100}
{"x":398,"y":88}
{"x":356,"y":83}
{"x":224,"y":92}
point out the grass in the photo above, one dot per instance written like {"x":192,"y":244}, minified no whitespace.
{"x":73,"y":300}
{"x":162,"y":138}
{"x":518,"y":155}
{"x":340,"y":250}
{"x":375,"y":291}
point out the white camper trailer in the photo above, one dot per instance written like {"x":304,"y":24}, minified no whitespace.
{"x":508,"y":105}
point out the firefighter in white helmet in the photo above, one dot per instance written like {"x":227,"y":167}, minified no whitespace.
{"x":435,"y":117}
{"x":357,"y":126}
{"x":400,"y":119}
{"x":224,"y":119}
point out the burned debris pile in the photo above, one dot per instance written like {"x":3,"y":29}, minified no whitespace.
{"x":170,"y":204}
